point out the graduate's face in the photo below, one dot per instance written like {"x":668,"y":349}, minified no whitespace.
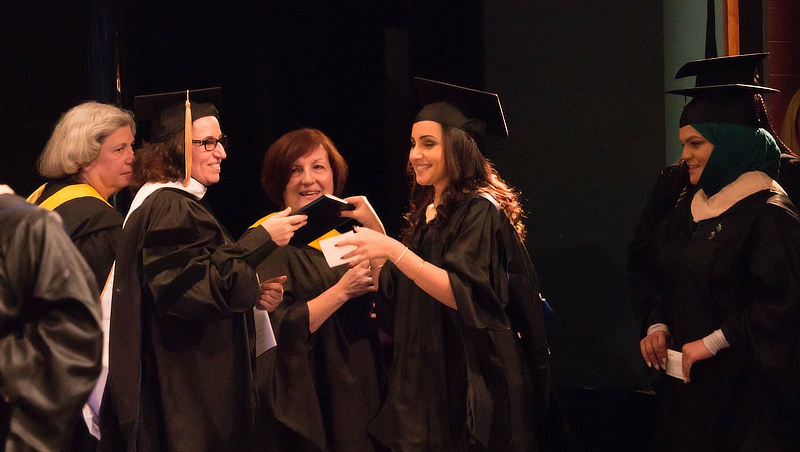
{"x":427,"y":154}
{"x":696,"y":151}
{"x":111,"y":170}
{"x":311,"y":178}
{"x":206,"y":164}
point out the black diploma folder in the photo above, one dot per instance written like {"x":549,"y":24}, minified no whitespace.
{"x":323,"y":216}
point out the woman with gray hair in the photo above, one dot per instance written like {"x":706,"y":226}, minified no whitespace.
{"x":87,"y":159}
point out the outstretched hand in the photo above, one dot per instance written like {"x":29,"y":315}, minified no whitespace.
{"x":371,"y":244}
{"x":271,"y":293}
{"x":364,"y":213}
{"x":281,"y":226}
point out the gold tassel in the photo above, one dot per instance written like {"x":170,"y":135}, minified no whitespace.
{"x":187,"y":137}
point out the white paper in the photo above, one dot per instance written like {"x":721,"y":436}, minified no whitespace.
{"x":674,"y":364}
{"x":333,"y":254}
{"x":265,"y":338}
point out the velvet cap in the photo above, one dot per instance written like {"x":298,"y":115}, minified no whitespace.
{"x":475,"y":112}
{"x":724,"y":90}
{"x":166,"y":111}
{"x":737,"y":72}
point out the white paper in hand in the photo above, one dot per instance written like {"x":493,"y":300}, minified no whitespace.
{"x":265,"y":338}
{"x":675,"y":364}
{"x":333,"y":254}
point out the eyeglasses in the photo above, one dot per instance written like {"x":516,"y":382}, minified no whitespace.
{"x":209,"y":144}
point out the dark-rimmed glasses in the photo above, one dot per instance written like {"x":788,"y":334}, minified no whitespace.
{"x":209,"y":144}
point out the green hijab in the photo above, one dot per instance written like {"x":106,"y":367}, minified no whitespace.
{"x":737,"y":150}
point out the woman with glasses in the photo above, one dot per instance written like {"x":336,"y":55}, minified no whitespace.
{"x":319,"y":386}
{"x":182,"y":322}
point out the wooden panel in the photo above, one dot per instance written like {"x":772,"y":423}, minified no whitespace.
{"x":783,"y":17}
{"x":783,"y":23}
{"x":784,"y":57}
{"x":731,"y":11}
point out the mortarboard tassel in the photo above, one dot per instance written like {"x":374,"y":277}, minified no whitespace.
{"x":187,"y":136}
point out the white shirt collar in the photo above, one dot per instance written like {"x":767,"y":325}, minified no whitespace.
{"x":704,"y":207}
{"x":194,"y":188}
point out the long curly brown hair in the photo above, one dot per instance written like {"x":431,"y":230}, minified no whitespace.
{"x":469,"y":172}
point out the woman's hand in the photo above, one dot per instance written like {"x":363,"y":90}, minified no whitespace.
{"x":281,"y":226}
{"x":271,"y":293}
{"x":356,"y":281}
{"x":364,"y":213}
{"x":654,"y":348}
{"x":693,"y":352}
{"x":372,"y":245}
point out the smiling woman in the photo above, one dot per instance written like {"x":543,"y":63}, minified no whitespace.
{"x":723,"y":269}
{"x":184,"y":295}
{"x":696,"y":151}
{"x":327,"y":357}
{"x":471,"y":360}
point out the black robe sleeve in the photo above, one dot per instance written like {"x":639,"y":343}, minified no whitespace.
{"x":766,"y":327}
{"x":189,"y":276}
{"x":486,"y":282}
{"x":51,"y":343}
{"x":289,"y":381}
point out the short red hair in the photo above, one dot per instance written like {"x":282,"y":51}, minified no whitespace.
{"x":277,"y":164}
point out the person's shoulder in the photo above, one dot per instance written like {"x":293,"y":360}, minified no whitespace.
{"x":18,"y":215}
{"x":14,"y":208}
{"x":480,"y":202}
{"x":171,"y":198}
{"x":779,"y":203}
{"x":90,"y":207}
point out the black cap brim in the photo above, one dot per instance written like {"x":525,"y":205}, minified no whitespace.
{"x":166,"y":111}
{"x":472,"y":103}
{"x":721,"y":74}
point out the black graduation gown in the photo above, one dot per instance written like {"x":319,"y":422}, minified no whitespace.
{"x":739,"y":272}
{"x":464,"y":379}
{"x":93,"y":226}
{"x":318,"y":390}
{"x":182,"y":351}
{"x":671,"y":186}
{"x":51,"y":343}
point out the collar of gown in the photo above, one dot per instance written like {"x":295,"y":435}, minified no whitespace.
{"x":745,"y":185}
{"x":194,"y":188}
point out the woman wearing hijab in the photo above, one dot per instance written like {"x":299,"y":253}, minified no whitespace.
{"x":471,"y":360}
{"x":727,"y":261}
{"x":673,"y":184}
{"x":183,"y":331}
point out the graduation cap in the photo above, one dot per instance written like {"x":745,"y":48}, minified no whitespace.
{"x":724,"y":90}
{"x":475,"y":112}
{"x":169,"y":113}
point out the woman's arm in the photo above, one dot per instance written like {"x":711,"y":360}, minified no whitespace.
{"x":365,"y":214}
{"x":355,"y":282}
{"x":428,"y":277}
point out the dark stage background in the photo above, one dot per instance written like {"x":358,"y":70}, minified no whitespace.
{"x":581,"y":85}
